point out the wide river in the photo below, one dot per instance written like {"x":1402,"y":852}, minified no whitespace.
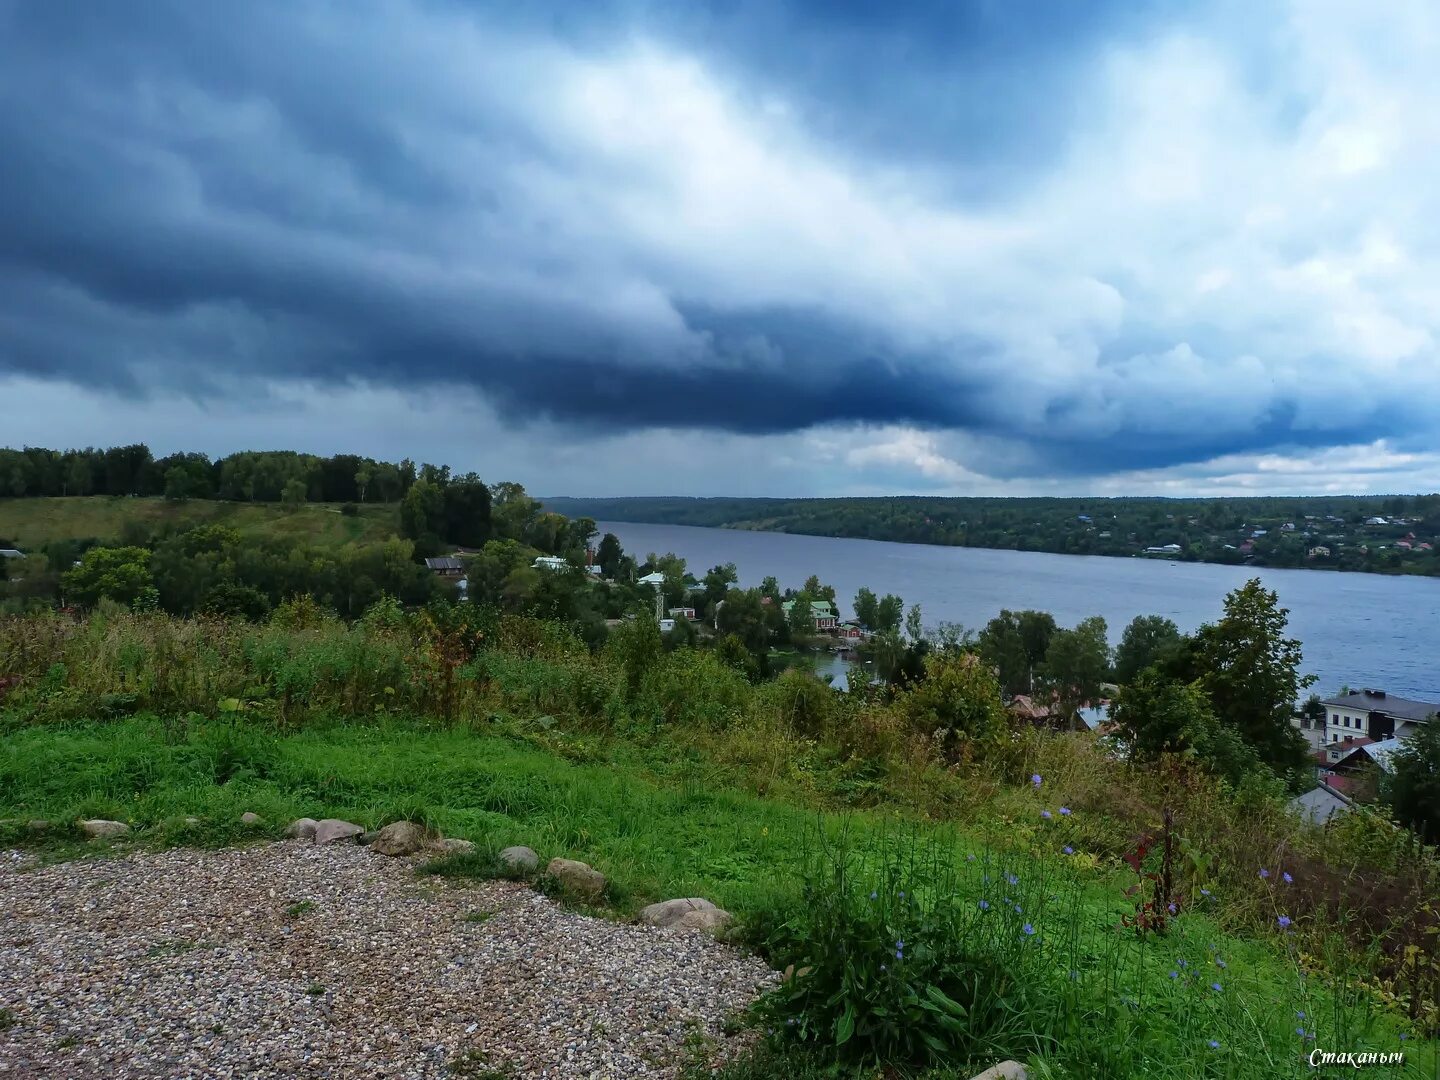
{"x":1360,"y":630}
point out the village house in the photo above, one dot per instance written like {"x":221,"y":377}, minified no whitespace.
{"x":653,"y":578}
{"x":550,"y":562}
{"x":820,"y":611}
{"x":682,"y":613}
{"x":1320,"y":551}
{"x":1374,"y":714}
{"x":447,"y":567}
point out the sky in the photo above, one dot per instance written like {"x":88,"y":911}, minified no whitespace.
{"x":990,"y":247}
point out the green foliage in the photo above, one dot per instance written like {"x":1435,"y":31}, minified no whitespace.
{"x":1412,"y":789}
{"x":958,"y":703}
{"x":1148,"y":640}
{"x":1156,"y":715}
{"x":1251,"y":673}
{"x":1076,"y":663}
{"x":121,"y":574}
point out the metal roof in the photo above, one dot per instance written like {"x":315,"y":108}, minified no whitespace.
{"x":1381,"y":702}
{"x":446,"y":563}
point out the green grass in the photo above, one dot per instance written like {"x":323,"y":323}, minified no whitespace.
{"x":31,"y":523}
{"x":657,"y":837}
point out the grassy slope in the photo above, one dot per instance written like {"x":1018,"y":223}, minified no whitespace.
{"x":676,"y":834}
{"x":33,"y":522}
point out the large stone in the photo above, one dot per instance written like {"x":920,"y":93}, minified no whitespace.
{"x":453,"y":845}
{"x":249,"y":818}
{"x":578,"y":878}
{"x":1006,"y":1070}
{"x":671,"y":912}
{"x":520,"y":861}
{"x":98,"y":827}
{"x":400,"y":838}
{"x":301,"y":829}
{"x":333,"y":830}
{"x":710,"y":921}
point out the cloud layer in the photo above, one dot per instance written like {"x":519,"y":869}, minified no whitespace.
{"x":958,"y":249}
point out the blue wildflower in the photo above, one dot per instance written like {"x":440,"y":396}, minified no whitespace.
{"x":899,"y":955}
{"x":873,"y":895}
{"x":1064,"y":811}
{"x":1300,"y":1016}
{"x":1028,"y":929}
{"x":1216,"y":987}
{"x":1221,"y":963}
{"x":1035,"y":779}
{"x":1264,"y":873}
{"x":1204,"y":892}
{"x":1214,"y":1044}
{"x":1285,"y":877}
{"x":1283,"y":921}
{"x":1012,"y":879}
{"x":984,"y":905}
{"x":1174,"y":974}
{"x":1068,"y":850}
{"x":1173,"y":909}
{"x":1045,"y":814}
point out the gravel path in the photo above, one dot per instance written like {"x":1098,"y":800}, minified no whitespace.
{"x":290,"y":960}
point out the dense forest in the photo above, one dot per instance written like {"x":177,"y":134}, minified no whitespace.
{"x":1395,"y":534}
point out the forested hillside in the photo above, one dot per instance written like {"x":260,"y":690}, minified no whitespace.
{"x":1383,"y":534}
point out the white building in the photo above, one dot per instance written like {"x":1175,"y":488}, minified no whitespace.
{"x":551,"y":562}
{"x":1373,"y":714}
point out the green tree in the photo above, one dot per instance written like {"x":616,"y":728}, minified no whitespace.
{"x":718,"y":582}
{"x":770,"y":587}
{"x":888,"y":613}
{"x":914,"y":628}
{"x":816,"y":591}
{"x":609,"y":555}
{"x":122,"y":574}
{"x":1251,"y":673}
{"x":422,"y":511}
{"x":1412,"y":790}
{"x":1148,"y":639}
{"x":746,"y":617}
{"x":293,"y":493}
{"x":958,"y":700}
{"x":363,"y":476}
{"x":867,"y":609}
{"x":1155,"y":715}
{"x":801,"y":618}
{"x":1076,"y":663}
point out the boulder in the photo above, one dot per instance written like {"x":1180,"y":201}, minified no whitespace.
{"x":301,"y":829}
{"x":333,"y":830}
{"x":453,"y":845}
{"x":98,"y":827}
{"x":578,"y":878}
{"x":670,"y":912}
{"x":249,"y":818}
{"x":519,"y":861}
{"x":400,"y":838}
{"x":712,"y":921}
{"x":1006,"y":1070}
{"x":38,"y":825}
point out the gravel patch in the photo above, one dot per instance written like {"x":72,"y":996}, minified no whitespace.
{"x":290,"y":960}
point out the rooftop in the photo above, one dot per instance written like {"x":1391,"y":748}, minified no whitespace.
{"x":1379,"y":701}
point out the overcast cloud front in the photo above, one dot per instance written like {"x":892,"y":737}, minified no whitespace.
{"x":804,"y":249}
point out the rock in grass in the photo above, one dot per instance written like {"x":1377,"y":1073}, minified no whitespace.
{"x":301,"y":829}
{"x":249,"y":818}
{"x":96,"y":828}
{"x":400,"y":838}
{"x":519,"y":860}
{"x":1006,"y":1070}
{"x":333,"y":830}
{"x":692,"y":913}
{"x":453,"y":845}
{"x":38,"y":825}
{"x":578,"y":878}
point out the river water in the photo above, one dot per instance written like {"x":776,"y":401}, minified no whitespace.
{"x":1357,"y":629}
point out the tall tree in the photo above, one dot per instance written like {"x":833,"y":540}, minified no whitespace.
{"x":609,"y":554}
{"x":867,"y":609}
{"x":1251,"y":671}
{"x":1412,"y":790}
{"x":888,"y":613}
{"x":1148,"y":639}
{"x":1076,"y":663}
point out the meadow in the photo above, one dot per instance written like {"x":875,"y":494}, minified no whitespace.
{"x":943,"y":911}
{"x":32,"y":522}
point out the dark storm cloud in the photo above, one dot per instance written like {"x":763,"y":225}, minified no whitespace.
{"x":427,"y":194}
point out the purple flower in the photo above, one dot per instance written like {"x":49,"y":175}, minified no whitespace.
{"x":902,"y":896}
{"x":1035,"y":779}
{"x":1012,"y":879}
{"x":1068,"y":850}
{"x":1283,"y":921}
{"x":1264,"y":873}
{"x":1300,"y":1016}
{"x":1019,"y":910}
{"x":1064,"y":811}
{"x":1174,"y":974}
{"x":984,"y":905}
{"x":1204,"y":892}
{"x":899,"y":944}
{"x":1028,"y":929}
{"x":1285,"y":877}
{"x":1216,"y":987}
{"x":1174,"y":910}
{"x":1045,"y":814}
{"x":1214,"y":1045}
{"x":1300,"y":1031}
{"x":899,"y":955}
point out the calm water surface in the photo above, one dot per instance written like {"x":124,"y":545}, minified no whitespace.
{"x":1357,"y":629}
